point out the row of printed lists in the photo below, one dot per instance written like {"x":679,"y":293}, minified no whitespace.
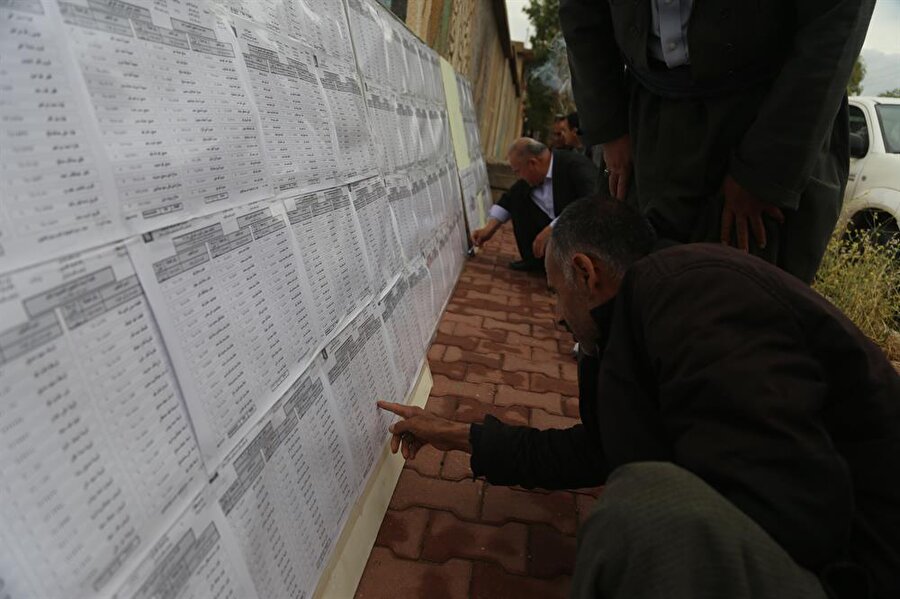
{"x":224,"y":235}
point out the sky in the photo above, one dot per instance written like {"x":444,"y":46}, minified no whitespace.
{"x":881,"y":50}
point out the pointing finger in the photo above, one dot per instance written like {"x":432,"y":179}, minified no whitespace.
{"x":398,"y":409}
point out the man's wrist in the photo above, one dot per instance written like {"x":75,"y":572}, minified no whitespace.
{"x":457,"y":436}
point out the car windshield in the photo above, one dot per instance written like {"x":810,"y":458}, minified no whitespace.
{"x":889,"y":115}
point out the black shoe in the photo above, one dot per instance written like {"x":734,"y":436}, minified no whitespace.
{"x":527,"y":265}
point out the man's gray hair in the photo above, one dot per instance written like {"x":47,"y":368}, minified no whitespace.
{"x":526,"y":146}
{"x":607,"y":229}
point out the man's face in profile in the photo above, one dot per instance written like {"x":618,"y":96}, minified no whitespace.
{"x":526,"y":167}
{"x":573,"y":301}
{"x":569,"y":135}
{"x":557,"y":136}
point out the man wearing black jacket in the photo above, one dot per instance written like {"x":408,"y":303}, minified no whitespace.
{"x":747,"y":432}
{"x":548,"y":182}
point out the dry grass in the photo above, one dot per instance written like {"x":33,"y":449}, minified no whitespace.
{"x":862,"y":278}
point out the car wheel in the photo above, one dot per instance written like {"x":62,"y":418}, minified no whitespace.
{"x":879,"y":226}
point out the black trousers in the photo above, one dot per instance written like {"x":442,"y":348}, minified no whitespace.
{"x":681,"y":153}
{"x":528,"y":220}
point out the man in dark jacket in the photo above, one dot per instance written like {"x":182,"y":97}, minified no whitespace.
{"x":747,"y":432}
{"x":733,"y":114}
{"x":548,"y":182}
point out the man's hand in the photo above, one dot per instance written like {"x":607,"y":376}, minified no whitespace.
{"x":617,"y":156}
{"x":742,"y":213}
{"x":419,"y":428}
{"x":540,"y":242}
{"x":479,"y":236}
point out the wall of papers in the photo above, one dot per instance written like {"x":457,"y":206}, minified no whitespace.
{"x":226,"y":228}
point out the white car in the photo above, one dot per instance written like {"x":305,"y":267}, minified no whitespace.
{"x":872,"y":198}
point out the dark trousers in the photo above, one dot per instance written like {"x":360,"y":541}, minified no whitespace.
{"x":528,"y":220}
{"x":682,"y":150}
{"x":658,"y":530}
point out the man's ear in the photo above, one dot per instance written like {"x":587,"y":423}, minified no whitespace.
{"x":585,"y":270}
{"x":594,"y":274}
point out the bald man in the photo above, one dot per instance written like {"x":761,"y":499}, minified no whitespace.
{"x":548,"y":182}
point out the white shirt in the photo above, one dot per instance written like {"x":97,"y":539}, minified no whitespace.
{"x":668,"y":40}
{"x":542,"y":196}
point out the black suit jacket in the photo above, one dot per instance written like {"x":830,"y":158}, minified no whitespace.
{"x":574,"y":177}
{"x":730,"y":368}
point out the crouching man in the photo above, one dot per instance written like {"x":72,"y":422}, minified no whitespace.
{"x":747,"y":433}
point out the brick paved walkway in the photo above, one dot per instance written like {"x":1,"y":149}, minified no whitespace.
{"x":445,"y":535}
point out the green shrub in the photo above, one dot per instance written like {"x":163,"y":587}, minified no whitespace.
{"x":862,"y":278}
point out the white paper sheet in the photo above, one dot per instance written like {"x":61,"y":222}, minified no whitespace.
{"x":485,"y":185}
{"x":422,"y":206}
{"x":397,"y":311}
{"x":470,"y":196}
{"x":235,"y":312}
{"x":401,"y":201}
{"x":55,"y":193}
{"x":175,"y":118}
{"x":286,"y":490}
{"x":434,"y":261}
{"x":320,"y":24}
{"x":423,"y":132}
{"x":382,"y":245}
{"x":433,"y":88}
{"x":98,"y":454}
{"x":323,"y":24}
{"x":296,"y":123}
{"x":439,"y":129}
{"x":370,"y":37}
{"x":415,"y":79}
{"x":330,"y":245}
{"x":418,"y":278}
{"x":450,"y":188}
{"x":398,"y":72}
{"x":344,"y":95}
{"x":382,"y":105}
{"x":440,"y":202}
{"x":197,"y":558}
{"x":410,"y":143}
{"x":360,"y":371}
{"x":451,"y":256}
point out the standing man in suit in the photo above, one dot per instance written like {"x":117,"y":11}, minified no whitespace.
{"x":548,"y":182}
{"x":725,"y":121}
